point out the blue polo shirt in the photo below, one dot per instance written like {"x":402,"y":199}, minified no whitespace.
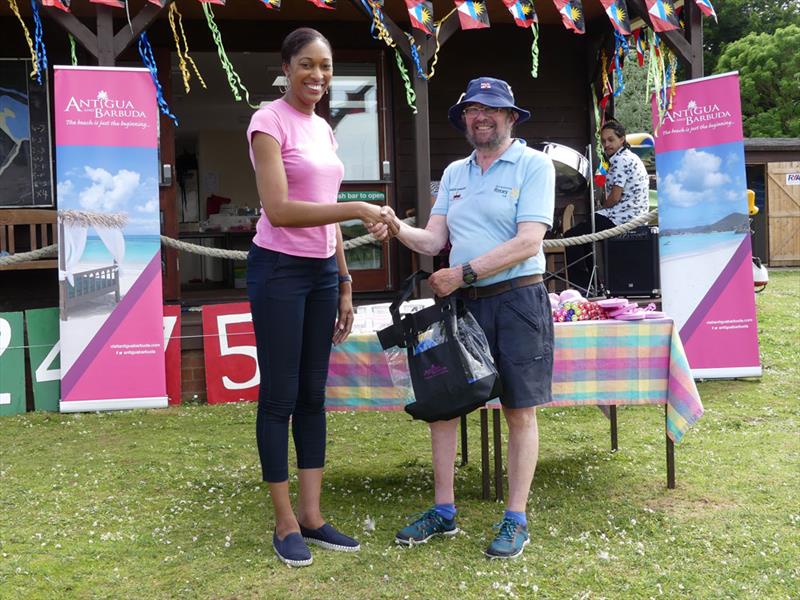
{"x":483,"y":209}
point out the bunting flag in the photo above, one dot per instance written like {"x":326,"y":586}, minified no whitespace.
{"x":421,"y":14}
{"x":571,"y":14}
{"x":662,"y":14}
{"x":272,"y":4}
{"x":62,"y":4}
{"x":523,"y":12}
{"x":617,"y":12}
{"x":706,"y":8}
{"x":161,"y":3}
{"x":328,"y":4}
{"x":472,"y":14}
{"x":640,"y":47}
{"x":601,"y":173}
{"x":220,"y":2}
{"x":111,"y":3}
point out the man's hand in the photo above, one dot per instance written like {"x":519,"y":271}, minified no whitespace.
{"x":446,"y":281}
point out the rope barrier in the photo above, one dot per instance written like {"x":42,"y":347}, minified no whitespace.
{"x":363,"y":240}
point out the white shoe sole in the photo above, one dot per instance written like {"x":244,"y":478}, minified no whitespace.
{"x":425,"y":541}
{"x":290,"y":562}
{"x":493,"y":557}
{"x":329,"y":546}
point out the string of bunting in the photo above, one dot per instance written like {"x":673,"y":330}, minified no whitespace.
{"x":233,"y":78}
{"x":472,"y":14}
{"x":525,"y":16}
{"x":412,"y":43}
{"x":146,"y":52}
{"x":41,"y":51}
{"x":73,"y":56}
{"x":176,"y":24}
{"x":602,"y":163}
{"x":621,"y":49}
{"x":379,"y":32}
{"x":34,"y":58}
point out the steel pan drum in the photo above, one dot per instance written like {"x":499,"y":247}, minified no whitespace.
{"x":572,"y":168}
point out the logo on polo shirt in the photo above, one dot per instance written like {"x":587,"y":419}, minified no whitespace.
{"x":455,"y":194}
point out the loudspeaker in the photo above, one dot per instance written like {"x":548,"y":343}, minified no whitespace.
{"x":630,"y":264}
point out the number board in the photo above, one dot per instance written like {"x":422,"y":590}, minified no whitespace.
{"x":44,"y":357}
{"x":229,"y":344}
{"x":12,"y":365}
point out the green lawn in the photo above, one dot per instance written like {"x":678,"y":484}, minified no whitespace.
{"x":168,"y":503}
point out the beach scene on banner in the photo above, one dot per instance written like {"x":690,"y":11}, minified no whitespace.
{"x":702,"y":204}
{"x":109,"y":206}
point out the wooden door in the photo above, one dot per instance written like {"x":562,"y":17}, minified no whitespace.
{"x":783,"y":209}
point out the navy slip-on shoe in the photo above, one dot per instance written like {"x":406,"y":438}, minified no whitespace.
{"x":328,"y":537}
{"x":292,"y":550}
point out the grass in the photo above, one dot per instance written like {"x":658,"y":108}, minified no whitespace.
{"x":168,"y":503}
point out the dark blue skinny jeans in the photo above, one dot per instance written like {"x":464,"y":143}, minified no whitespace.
{"x":293,"y":301}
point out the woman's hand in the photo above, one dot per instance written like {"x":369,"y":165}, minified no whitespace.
{"x":344,"y":322}
{"x":370,"y":214}
{"x":387,"y":227}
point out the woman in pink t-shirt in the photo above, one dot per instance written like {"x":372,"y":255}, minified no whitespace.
{"x":299,"y":288}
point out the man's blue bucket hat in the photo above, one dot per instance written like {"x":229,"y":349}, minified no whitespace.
{"x":489,"y":92}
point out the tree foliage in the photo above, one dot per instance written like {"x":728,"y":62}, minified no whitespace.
{"x":632,"y":106}
{"x":769,"y":69}
{"x":739,"y":18}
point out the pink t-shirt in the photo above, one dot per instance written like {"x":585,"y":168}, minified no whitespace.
{"x":313,"y":172}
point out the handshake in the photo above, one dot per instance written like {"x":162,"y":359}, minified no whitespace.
{"x":381,"y":222}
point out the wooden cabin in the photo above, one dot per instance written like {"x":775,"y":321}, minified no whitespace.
{"x":393,"y":153}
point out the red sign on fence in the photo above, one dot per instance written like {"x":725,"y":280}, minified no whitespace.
{"x":172,"y":351}
{"x":230,"y":353}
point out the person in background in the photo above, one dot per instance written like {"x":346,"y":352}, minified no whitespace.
{"x":495,"y":206}
{"x":299,"y":289}
{"x":626,"y":197}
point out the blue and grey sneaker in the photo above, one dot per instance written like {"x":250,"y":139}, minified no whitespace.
{"x":292,"y":550}
{"x":429,"y":524}
{"x":328,"y":537}
{"x":510,"y":541}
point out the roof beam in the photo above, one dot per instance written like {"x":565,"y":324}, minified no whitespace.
{"x":141,"y":22}
{"x":104,"y":45}
{"x":84,"y":36}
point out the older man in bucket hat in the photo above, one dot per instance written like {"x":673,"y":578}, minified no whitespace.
{"x":495,"y":206}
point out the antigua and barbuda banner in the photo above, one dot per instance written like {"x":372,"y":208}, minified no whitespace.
{"x":110,"y":304}
{"x":704,"y":228}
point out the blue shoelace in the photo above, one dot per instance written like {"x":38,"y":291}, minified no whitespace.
{"x":507,"y":528}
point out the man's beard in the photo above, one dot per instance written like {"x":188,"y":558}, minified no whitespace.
{"x":492,"y":143}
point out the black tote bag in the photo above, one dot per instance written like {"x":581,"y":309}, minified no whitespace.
{"x":451,"y":367}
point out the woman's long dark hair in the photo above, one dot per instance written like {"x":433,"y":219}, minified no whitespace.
{"x":299,"y":39}
{"x":618,"y":129}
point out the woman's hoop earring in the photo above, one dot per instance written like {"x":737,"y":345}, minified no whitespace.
{"x":283,"y":89}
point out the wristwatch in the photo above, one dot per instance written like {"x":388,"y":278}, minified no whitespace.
{"x":346,"y":278}
{"x":467,"y":274}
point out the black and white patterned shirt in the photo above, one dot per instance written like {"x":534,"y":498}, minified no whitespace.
{"x":627,"y":171}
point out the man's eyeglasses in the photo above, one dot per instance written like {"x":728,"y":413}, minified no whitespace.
{"x":474,"y":111}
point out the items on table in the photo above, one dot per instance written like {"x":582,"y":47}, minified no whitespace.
{"x":570,"y":305}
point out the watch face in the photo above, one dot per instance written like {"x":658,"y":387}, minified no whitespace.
{"x":468,"y":275}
